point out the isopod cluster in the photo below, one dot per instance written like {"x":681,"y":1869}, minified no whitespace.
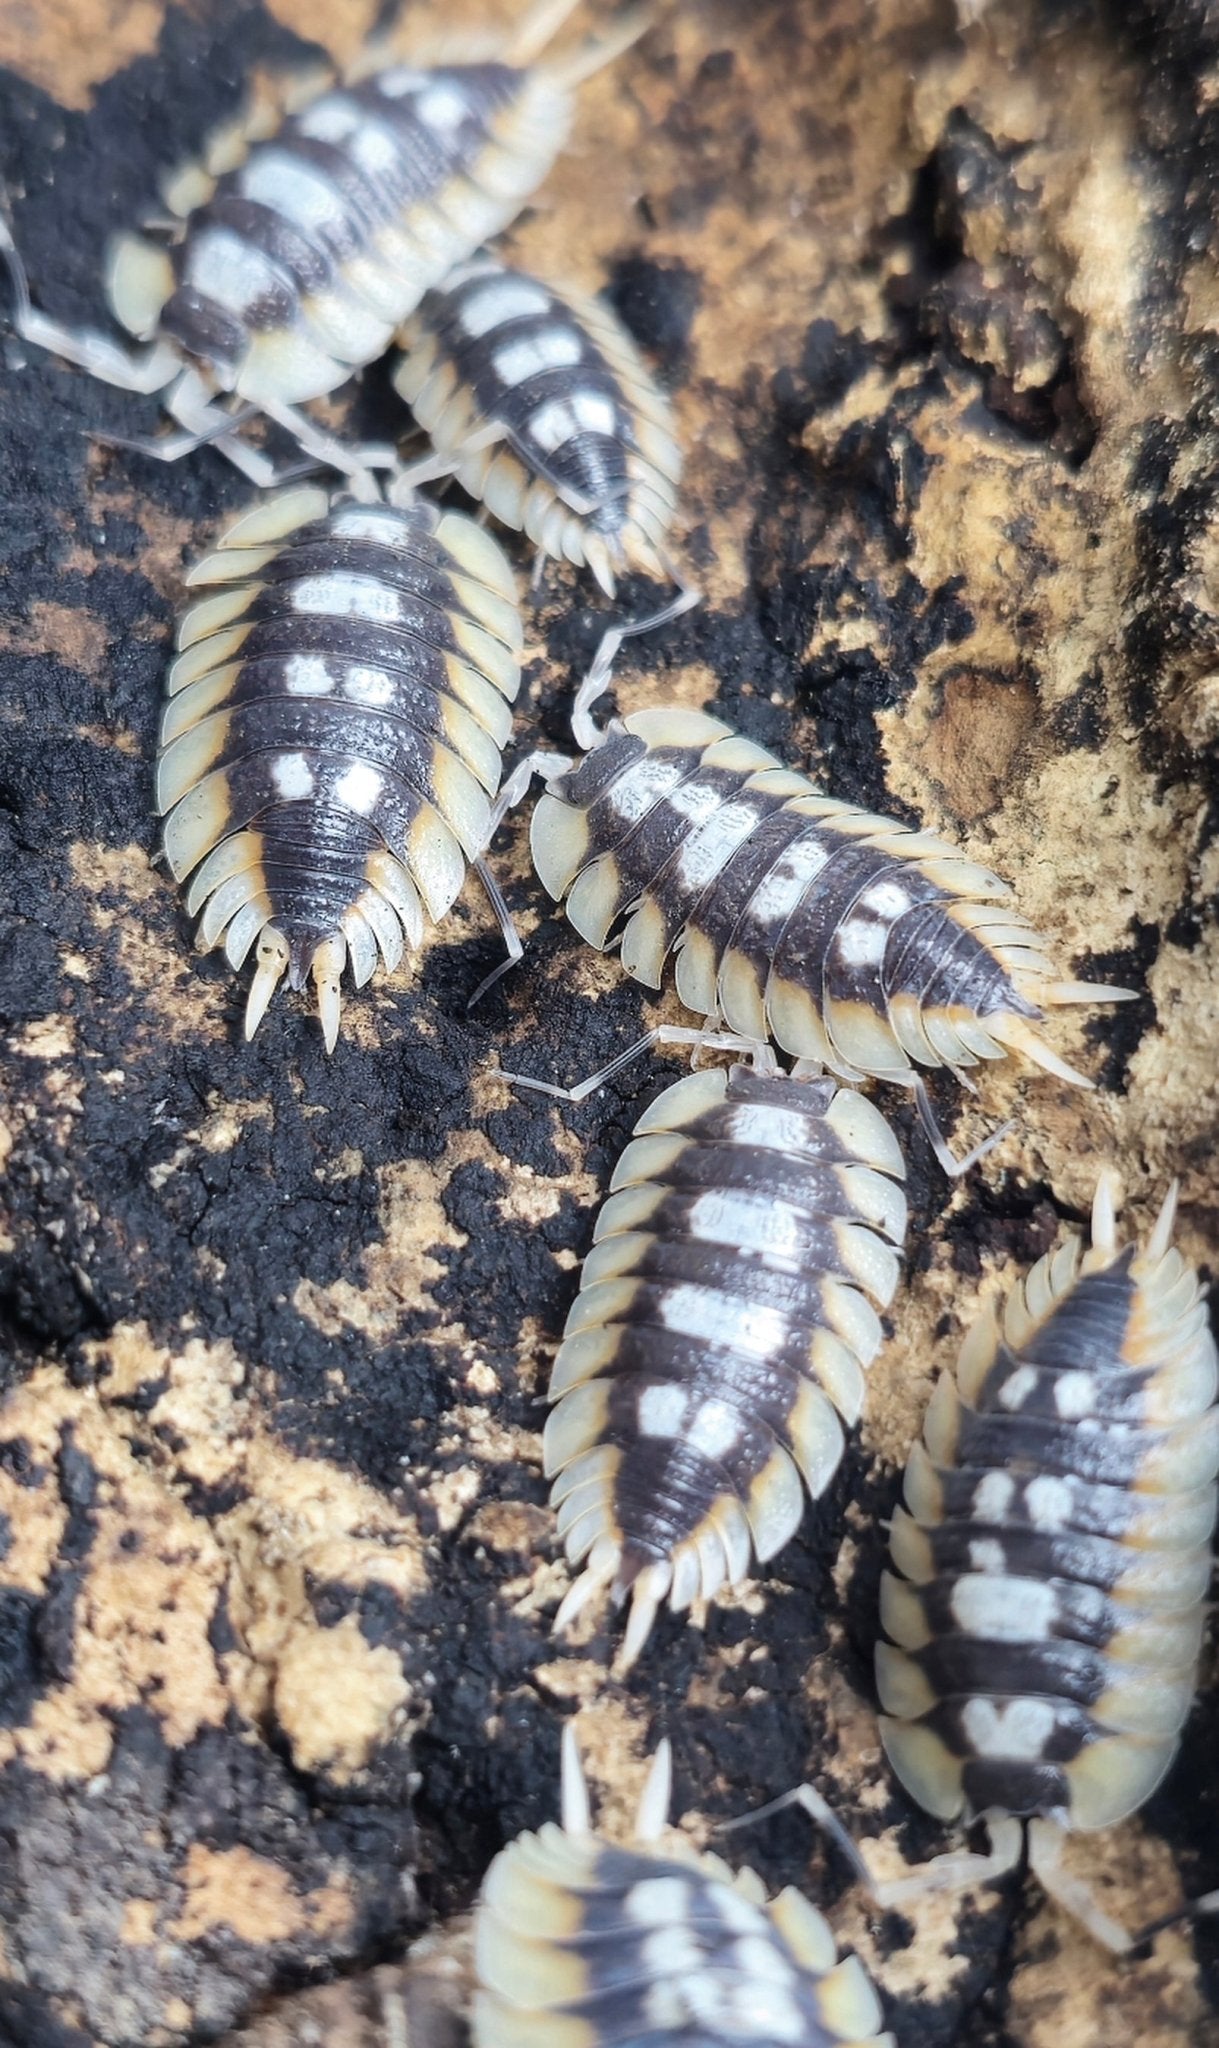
{"x":332,"y":763}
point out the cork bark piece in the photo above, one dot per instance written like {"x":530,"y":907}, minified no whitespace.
{"x":933,"y":292}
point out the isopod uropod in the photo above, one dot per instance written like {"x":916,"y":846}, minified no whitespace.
{"x":582,"y":1944}
{"x":334,"y":734}
{"x":1052,"y":1560}
{"x":839,"y":936}
{"x":535,"y":396}
{"x":722,"y":1329}
{"x":311,"y":229}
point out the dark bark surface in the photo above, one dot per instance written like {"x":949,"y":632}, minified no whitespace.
{"x":938,"y":304}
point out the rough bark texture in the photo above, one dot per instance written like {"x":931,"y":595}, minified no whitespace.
{"x":938,"y":300}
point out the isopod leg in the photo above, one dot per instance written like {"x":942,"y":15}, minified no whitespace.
{"x":510,"y":795}
{"x":597,"y":681}
{"x":512,"y":938}
{"x":952,"y":1166}
{"x":1071,"y":1893}
{"x":355,"y":463}
{"x":661,"y":1034}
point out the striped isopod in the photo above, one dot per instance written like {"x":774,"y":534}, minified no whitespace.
{"x":580,"y":1943}
{"x":334,"y":734}
{"x":1053,"y":1557}
{"x":722,"y":1329}
{"x":841,"y":937}
{"x":311,"y":229}
{"x":535,"y":396}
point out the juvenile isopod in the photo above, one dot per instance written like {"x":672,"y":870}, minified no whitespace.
{"x":581,"y":1943}
{"x":800,"y":921}
{"x":334,"y":735}
{"x":312,"y":228}
{"x":718,"y":1345}
{"x":534,"y":395}
{"x":1053,"y":1558}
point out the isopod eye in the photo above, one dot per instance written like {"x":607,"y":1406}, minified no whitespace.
{"x":717,"y":1348}
{"x":321,"y":767}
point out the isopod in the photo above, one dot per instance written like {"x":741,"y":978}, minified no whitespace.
{"x":720,"y":1337}
{"x":1052,"y":1560}
{"x":334,"y":734}
{"x":841,"y":937}
{"x":536,"y":398}
{"x":581,"y":1943}
{"x":311,"y":229}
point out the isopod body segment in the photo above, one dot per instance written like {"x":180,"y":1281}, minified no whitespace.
{"x":718,"y":1345}
{"x":538,"y":400}
{"x":334,"y":733}
{"x":797,"y":919}
{"x":580,"y":1943}
{"x":1053,"y":1557}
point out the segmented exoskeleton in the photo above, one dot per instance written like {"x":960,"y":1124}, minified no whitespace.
{"x":312,"y":228}
{"x":722,"y":1329}
{"x":1053,"y":1555}
{"x":536,"y":398}
{"x":798,"y":920}
{"x":581,"y":1944}
{"x":334,"y":734}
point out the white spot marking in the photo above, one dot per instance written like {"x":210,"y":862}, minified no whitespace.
{"x":748,"y":1221}
{"x":552,"y":424}
{"x":662,"y":1411}
{"x":227,"y":269}
{"x":765,"y":1124}
{"x":308,"y":675}
{"x":993,"y":1496}
{"x":714,"y":1430}
{"x":694,"y":799}
{"x":1004,"y":1610}
{"x":1074,"y":1395}
{"x":395,"y":83}
{"x":709,"y":847}
{"x":443,"y":107}
{"x":717,"y":1318}
{"x":375,"y":149}
{"x":633,"y":795}
{"x":887,"y":899}
{"x":555,"y":348}
{"x":861,"y":941}
{"x":1017,"y":1387}
{"x":339,"y":596}
{"x":501,"y":300}
{"x":294,"y":189}
{"x":368,"y":522}
{"x":293,"y":777}
{"x":359,"y":788}
{"x":594,"y":412}
{"x":658,"y":1901}
{"x":986,"y":1554}
{"x":1049,"y":1502}
{"x":777,"y":896}
{"x":371,"y":686}
{"x":1018,"y":1728}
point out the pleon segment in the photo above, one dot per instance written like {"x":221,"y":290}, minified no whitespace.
{"x":719,"y":1342}
{"x":536,"y":397}
{"x":836,"y":935}
{"x":1053,"y":1556}
{"x":333,"y":735}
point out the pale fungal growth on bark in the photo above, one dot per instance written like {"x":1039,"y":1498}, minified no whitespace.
{"x":1053,"y":1558}
{"x":334,"y":735}
{"x":312,"y":227}
{"x":719,"y":1342}
{"x":535,"y":397}
{"x":798,"y":920}
{"x":580,"y":1943}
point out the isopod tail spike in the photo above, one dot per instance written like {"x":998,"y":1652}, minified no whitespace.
{"x":539,"y":28}
{"x":575,"y":1806}
{"x":1019,"y":1036}
{"x":601,"y":51}
{"x":594,"y":1579}
{"x":647,"y":1592}
{"x":272,"y":966}
{"x":10,"y":257}
{"x":328,"y":964}
{"x":652,"y":1815}
{"x":1104,"y":1211}
{"x":1161,"y":1235}
{"x":1088,"y":992}
{"x":1076,"y":1898}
